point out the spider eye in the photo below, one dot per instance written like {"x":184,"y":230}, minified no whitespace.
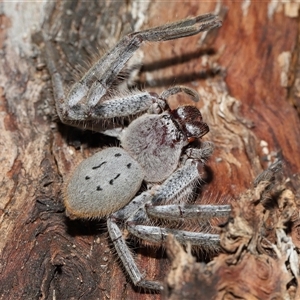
{"x":166,"y":117}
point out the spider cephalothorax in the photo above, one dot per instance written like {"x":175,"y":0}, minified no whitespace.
{"x":155,"y":148}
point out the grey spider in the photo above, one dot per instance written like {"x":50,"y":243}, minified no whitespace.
{"x":155,"y":149}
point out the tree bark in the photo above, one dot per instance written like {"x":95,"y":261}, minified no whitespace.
{"x":246,"y":72}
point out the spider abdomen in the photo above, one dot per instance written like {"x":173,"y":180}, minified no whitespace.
{"x":102,"y":184}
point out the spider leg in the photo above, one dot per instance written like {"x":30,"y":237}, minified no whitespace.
{"x":186,"y":211}
{"x":127,"y":258}
{"x":182,"y":28}
{"x":200,"y":154}
{"x":158,"y":235}
{"x":178,"y":89}
{"x":95,"y":83}
{"x":82,"y":101}
{"x":133,"y":206}
{"x":179,"y":186}
{"x":175,"y":189}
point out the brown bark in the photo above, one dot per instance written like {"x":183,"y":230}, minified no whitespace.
{"x":259,"y":259}
{"x":45,"y":255}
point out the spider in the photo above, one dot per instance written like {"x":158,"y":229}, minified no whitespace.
{"x":160,"y":149}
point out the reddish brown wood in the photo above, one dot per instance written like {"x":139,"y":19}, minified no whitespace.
{"x":43,"y":254}
{"x":255,"y":264}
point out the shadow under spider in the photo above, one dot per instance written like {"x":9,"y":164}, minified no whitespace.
{"x":80,"y":227}
{"x":177,"y":79}
{"x":77,"y":137}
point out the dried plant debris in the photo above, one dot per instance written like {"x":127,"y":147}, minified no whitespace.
{"x":260,"y":243}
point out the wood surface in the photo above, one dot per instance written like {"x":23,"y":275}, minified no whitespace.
{"x":246,"y":72}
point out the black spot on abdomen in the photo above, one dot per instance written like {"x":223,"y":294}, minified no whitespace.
{"x":96,"y":167}
{"x":111,"y":182}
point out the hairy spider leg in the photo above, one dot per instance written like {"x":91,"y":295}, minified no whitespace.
{"x":187,"y":211}
{"x":175,"y":189}
{"x":82,"y":101}
{"x":127,"y":259}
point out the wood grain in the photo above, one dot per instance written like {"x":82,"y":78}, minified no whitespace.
{"x":246,"y":73}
